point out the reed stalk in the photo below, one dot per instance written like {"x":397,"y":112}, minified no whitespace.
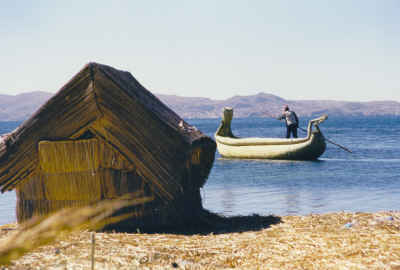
{"x":43,"y":230}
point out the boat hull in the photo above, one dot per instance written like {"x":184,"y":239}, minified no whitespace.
{"x":309,"y":148}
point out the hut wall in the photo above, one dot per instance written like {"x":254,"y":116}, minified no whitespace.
{"x":82,"y":172}
{"x":75,"y":173}
{"x":184,"y":210}
{"x":46,"y":193}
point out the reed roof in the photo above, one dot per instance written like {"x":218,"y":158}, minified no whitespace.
{"x":114,"y":107}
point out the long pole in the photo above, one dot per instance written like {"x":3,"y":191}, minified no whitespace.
{"x":93,"y":238}
{"x":332,"y":142}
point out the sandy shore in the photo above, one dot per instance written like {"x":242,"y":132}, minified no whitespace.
{"x":329,"y":241}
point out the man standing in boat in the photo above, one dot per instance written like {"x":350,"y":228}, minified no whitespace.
{"x":292,"y":122}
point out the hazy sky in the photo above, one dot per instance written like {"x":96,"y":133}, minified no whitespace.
{"x":337,"y":49}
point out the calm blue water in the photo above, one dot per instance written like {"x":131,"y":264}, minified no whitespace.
{"x":367,"y":180}
{"x":8,"y":199}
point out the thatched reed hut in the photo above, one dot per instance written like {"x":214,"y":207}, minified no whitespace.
{"x":101,"y":136}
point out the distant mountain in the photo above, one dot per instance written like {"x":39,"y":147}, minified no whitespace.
{"x":20,"y":107}
{"x":267,"y":105}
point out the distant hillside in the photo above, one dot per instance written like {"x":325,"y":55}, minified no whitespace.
{"x":267,"y":105}
{"x":20,"y":107}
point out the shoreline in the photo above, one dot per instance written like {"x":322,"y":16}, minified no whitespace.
{"x":341,"y":240}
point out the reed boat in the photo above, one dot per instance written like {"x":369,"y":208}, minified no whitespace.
{"x":308,"y":148}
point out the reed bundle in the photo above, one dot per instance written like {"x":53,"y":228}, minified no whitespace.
{"x":79,"y":156}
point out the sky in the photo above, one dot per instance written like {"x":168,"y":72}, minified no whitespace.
{"x":310,"y":49}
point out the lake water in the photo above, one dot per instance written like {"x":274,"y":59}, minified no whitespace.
{"x":367,"y":180}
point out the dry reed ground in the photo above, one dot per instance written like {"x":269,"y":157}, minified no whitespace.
{"x":328,"y":241}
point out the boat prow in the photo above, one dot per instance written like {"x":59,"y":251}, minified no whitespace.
{"x":308,"y":148}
